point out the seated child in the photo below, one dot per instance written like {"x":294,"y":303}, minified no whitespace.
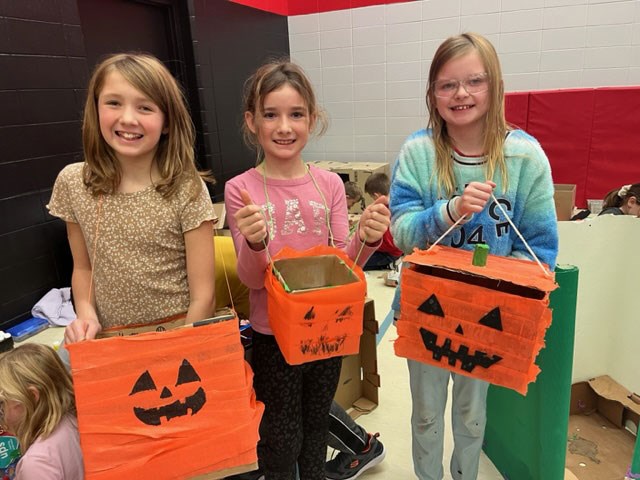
{"x":354,"y":194}
{"x":622,"y":201}
{"x":37,"y":405}
{"x":377,"y":185}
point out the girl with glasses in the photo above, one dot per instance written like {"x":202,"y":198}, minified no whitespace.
{"x":453,"y":174}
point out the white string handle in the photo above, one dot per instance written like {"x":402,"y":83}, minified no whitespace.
{"x":535,"y":257}
{"x":499,"y":205}
{"x":447,"y":232}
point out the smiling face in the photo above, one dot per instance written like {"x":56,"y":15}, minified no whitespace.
{"x":464,"y":113}
{"x":282,"y":126}
{"x":130,"y":122}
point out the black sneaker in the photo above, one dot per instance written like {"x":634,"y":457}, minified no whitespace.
{"x":347,"y":466}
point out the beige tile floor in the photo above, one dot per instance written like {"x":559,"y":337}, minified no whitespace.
{"x":392,"y":417}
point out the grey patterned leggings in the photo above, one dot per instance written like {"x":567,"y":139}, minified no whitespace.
{"x":297,"y":401}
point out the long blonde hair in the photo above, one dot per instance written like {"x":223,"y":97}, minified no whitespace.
{"x":270,"y":77}
{"x":34,"y":366}
{"x":175,"y":154}
{"x":495,"y":126}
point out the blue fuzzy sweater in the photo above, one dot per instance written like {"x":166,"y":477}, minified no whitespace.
{"x":419,"y":216}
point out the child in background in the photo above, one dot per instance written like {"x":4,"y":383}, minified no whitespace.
{"x":284,"y":202}
{"x":38,"y":406}
{"x":449,"y":172}
{"x":622,"y":201}
{"x":139,"y":217}
{"x":353,"y":193}
{"x":376,"y":186}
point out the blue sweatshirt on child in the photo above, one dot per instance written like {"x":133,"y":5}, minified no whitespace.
{"x":420,"y":213}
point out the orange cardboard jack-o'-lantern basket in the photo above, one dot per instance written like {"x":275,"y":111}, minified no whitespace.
{"x":315,"y":301}
{"x":170,"y":405}
{"x":486,"y":322}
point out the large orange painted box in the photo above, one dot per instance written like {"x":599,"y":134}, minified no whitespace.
{"x":169,"y":405}
{"x":486,"y":322}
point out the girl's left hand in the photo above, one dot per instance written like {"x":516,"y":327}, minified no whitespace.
{"x":375,"y":221}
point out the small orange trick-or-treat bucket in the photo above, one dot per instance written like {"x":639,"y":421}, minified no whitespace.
{"x":166,"y":405}
{"x":315,"y":302}
{"x":486,"y":322}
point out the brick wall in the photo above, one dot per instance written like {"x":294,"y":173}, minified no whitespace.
{"x":43,"y":74}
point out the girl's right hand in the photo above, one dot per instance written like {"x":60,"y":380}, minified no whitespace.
{"x":474,"y":197}
{"x":81,"y":329}
{"x":251,"y":222}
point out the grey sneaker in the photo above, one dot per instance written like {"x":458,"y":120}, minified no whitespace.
{"x":348,"y":466}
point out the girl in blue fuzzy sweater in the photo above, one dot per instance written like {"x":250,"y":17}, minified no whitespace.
{"x":458,"y":169}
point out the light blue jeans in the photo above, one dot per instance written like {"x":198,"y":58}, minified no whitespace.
{"x":429,"y":390}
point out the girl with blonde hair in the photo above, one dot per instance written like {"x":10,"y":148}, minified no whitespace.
{"x":458,"y":179}
{"x":37,"y":405}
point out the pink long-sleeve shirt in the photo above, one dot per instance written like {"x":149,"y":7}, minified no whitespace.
{"x":296,"y":217}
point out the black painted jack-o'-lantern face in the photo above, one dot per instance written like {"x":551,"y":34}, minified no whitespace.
{"x":176,"y":408}
{"x":468,"y":361}
{"x":487,"y":322}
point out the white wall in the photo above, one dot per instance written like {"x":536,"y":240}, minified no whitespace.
{"x":607,"y":340}
{"x":369,"y":65}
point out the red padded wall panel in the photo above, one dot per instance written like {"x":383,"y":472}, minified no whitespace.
{"x":516,"y":109}
{"x":561,"y":121}
{"x":302,"y":7}
{"x":281,"y":7}
{"x":615,"y":155}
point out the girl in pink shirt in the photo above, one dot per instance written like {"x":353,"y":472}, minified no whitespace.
{"x":284,"y":202}
{"x":37,"y":404}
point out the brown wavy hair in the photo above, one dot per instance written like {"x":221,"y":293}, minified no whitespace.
{"x":612,"y":199}
{"x":37,"y":368}
{"x":495,"y":127}
{"x":175,"y":155}
{"x":270,"y":77}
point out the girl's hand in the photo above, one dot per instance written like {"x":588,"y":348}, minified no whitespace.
{"x":375,"y":221}
{"x":251,"y":222}
{"x":81,"y":329}
{"x":474,"y":197}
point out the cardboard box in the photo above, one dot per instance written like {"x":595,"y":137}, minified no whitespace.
{"x":302,"y":274}
{"x":357,"y":172}
{"x":359,"y":379}
{"x":565,"y":199}
{"x":600,"y":443}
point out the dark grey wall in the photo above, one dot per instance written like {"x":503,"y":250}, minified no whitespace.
{"x":229,"y":42}
{"x":43,"y":76}
{"x":43,"y":73}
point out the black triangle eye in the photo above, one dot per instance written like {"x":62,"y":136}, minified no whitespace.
{"x":186,"y":374}
{"x":144,"y":383}
{"x":431,"y":306}
{"x":492,"y":319}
